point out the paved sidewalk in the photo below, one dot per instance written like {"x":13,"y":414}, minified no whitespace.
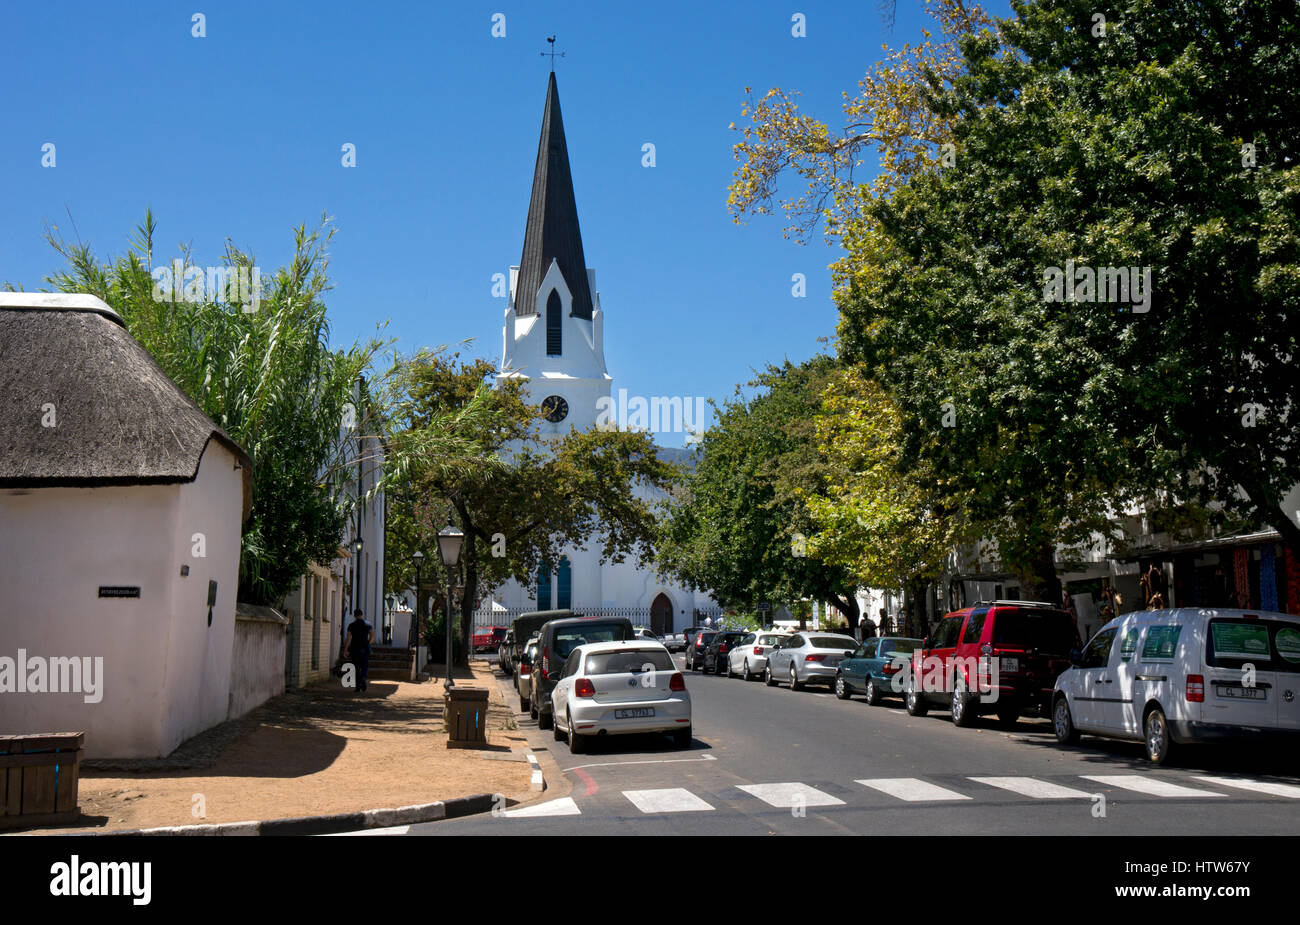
{"x":320,"y":750}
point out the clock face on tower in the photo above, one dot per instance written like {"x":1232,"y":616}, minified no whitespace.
{"x":555,"y":409}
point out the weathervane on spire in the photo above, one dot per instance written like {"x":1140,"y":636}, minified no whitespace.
{"x":552,"y":53}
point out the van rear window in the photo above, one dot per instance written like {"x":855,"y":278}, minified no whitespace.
{"x":570,"y":637}
{"x":1051,"y":632}
{"x":1269,"y":645}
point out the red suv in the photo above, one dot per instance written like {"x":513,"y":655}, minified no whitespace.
{"x":994,"y":657}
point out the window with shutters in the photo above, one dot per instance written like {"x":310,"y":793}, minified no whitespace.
{"x":554,"y":320}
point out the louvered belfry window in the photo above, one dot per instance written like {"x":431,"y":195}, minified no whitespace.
{"x":554,"y":318}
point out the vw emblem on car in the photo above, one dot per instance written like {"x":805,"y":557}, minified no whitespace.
{"x":1288,"y":695}
{"x":631,"y":682}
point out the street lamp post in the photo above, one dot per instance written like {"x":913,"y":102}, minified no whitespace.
{"x":449,"y":542}
{"x":417,"y":559}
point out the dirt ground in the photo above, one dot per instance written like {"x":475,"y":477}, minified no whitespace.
{"x":321,"y":749}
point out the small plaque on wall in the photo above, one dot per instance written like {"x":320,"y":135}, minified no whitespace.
{"x":118,"y":591}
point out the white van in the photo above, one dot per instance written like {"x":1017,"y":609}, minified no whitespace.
{"x":1171,"y":677}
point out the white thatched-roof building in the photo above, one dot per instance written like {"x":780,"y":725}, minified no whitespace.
{"x":121,"y":505}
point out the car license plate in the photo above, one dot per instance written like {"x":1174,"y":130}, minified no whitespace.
{"x":1011,"y":664}
{"x":634,"y":714}
{"x":1243,"y":693}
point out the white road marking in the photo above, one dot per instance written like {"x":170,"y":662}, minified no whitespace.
{"x":1290,"y":791}
{"x":786,"y":796}
{"x":614,"y":764}
{"x":391,"y":830}
{"x":561,"y":807}
{"x":911,"y":789}
{"x":672,"y":800}
{"x":1032,"y":787}
{"x":1148,"y":785}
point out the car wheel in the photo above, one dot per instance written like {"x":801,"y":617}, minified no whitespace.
{"x":1063,"y":723}
{"x":555,"y":732}
{"x":873,"y":692}
{"x":747,"y":675}
{"x":916,"y":705}
{"x":767,"y":677}
{"x":545,"y":720}
{"x":682,"y":737}
{"x":524,"y":705}
{"x":1158,"y":742}
{"x":963,"y":713}
{"x":795,"y":684}
{"x":576,"y":744}
{"x":841,"y":689}
{"x":532,"y":711}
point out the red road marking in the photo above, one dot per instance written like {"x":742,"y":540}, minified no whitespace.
{"x":591,"y":784}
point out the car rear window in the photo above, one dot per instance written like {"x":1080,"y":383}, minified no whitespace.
{"x":624,"y":661}
{"x":899,"y":646}
{"x":568,"y":638}
{"x":1269,"y":645}
{"x":770,"y":640}
{"x":1051,"y":632}
{"x":833,"y":642}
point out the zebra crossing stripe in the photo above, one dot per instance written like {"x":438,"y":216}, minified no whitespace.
{"x":671,"y":800}
{"x":562,"y":807}
{"x":786,"y":796}
{"x":1290,"y":791}
{"x":1032,"y":787}
{"x":911,"y":789}
{"x":1148,"y":785}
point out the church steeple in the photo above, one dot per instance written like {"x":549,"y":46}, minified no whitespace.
{"x":551,"y":232}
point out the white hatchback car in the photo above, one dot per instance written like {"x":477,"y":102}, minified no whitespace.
{"x":616,"y":688}
{"x":1170,"y":677}
{"x":750,"y":657}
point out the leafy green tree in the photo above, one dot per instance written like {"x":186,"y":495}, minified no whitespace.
{"x":520,"y":500}
{"x":740,"y":524}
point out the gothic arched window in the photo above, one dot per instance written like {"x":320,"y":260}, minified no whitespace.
{"x":564,"y":585}
{"x":554,"y":320}
{"x":544,"y":587}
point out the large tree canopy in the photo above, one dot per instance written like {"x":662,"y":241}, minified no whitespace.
{"x":740,"y":524}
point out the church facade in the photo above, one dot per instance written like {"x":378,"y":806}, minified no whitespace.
{"x":553,"y":340}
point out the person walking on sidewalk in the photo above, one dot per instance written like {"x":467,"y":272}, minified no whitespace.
{"x":360,"y":635}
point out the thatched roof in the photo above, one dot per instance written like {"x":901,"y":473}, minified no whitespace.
{"x":119,"y":420}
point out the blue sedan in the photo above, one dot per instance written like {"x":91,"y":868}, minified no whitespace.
{"x":872,"y":668}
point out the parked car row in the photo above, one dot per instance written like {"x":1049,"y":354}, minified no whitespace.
{"x":589,"y":677}
{"x":1166,"y":678}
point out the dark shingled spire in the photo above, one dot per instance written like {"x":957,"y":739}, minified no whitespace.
{"x":552,"y":228}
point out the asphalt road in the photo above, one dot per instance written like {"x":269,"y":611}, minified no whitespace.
{"x":774,"y":761}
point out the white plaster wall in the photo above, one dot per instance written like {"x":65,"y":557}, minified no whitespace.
{"x":197,"y":686}
{"x":57,"y":546}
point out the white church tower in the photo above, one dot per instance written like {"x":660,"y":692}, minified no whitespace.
{"x":554,"y":327}
{"x":554,"y":341}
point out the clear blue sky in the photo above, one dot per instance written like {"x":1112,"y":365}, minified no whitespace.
{"x":238,"y":135}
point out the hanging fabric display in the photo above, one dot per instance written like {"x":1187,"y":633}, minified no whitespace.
{"x":1268,"y":578}
{"x":1241,"y":576}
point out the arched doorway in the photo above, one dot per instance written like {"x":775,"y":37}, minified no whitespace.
{"x":661,"y":615}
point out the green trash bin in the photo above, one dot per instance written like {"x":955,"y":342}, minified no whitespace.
{"x":465,"y":709}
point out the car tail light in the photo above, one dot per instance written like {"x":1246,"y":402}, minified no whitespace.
{"x":758,"y":650}
{"x":677,"y":683}
{"x":546,"y":661}
{"x":1195,"y":688}
{"x":584,"y":688}
{"x":889,"y":668}
{"x":814,"y":658}
{"x":722,"y":649}
{"x":524,"y":669}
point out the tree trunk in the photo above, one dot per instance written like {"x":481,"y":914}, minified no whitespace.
{"x":848,"y":605}
{"x":1038,"y":578}
{"x":469,"y":556}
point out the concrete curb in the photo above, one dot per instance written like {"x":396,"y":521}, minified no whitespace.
{"x":338,"y":822}
{"x":536,"y":782}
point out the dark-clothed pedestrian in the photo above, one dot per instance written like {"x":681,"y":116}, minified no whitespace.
{"x":357,"y":650}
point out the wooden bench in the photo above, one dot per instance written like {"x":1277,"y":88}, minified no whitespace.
{"x":38,"y":778}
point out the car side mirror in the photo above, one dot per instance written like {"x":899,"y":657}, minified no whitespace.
{"x":848,"y":653}
{"x":1076,"y":657}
